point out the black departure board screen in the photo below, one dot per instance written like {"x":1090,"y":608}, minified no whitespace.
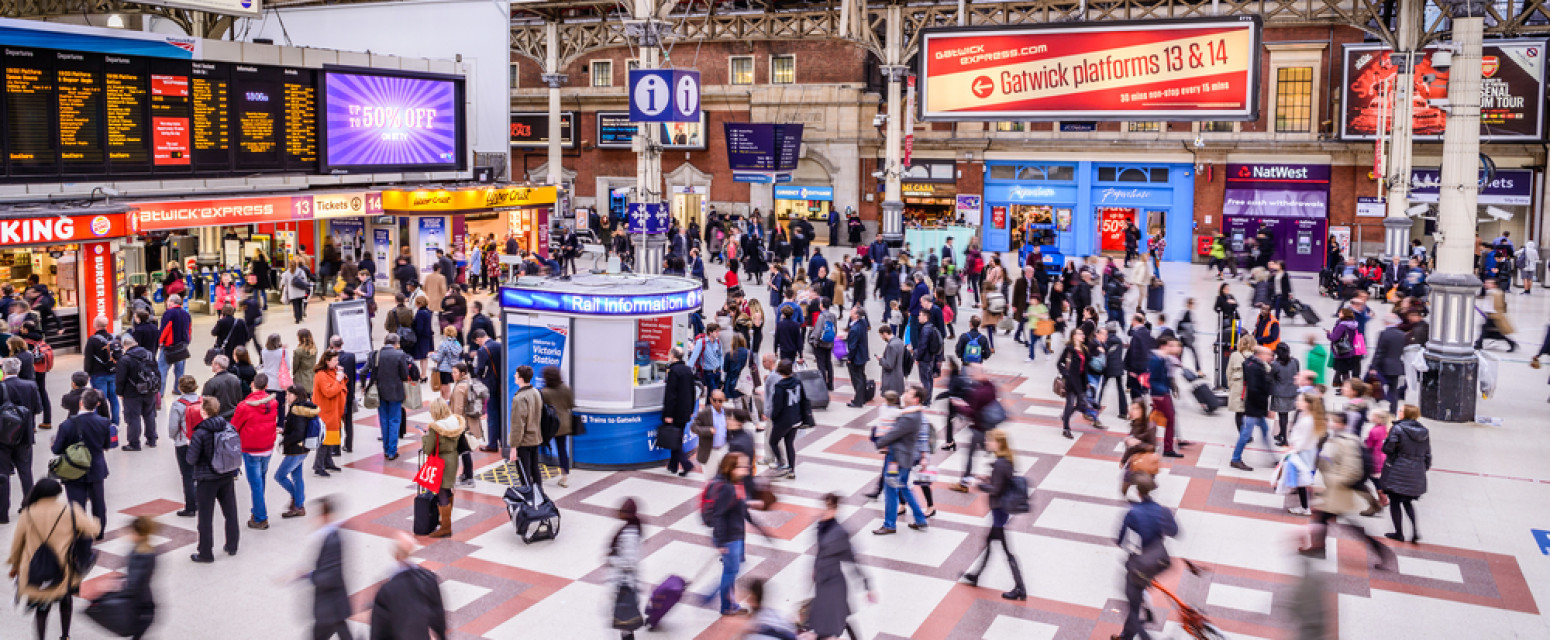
{"x":79,"y":115}
{"x":31,"y":126}
{"x":210,"y":103}
{"x":126,"y":89}
{"x":78,"y":80}
{"x":301,"y":119}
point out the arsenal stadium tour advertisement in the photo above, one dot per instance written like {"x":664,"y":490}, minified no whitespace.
{"x":1512,"y":92}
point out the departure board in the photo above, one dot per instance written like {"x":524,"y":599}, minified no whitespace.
{"x":211,"y":108}
{"x":78,"y":116}
{"x":258,"y":114}
{"x":79,"y":81}
{"x":32,"y":148}
{"x":301,"y":119}
{"x":171,"y":138}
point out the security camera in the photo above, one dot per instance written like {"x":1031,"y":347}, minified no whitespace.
{"x":1442,"y":59}
{"x":1200,"y":143}
{"x":879,"y":119}
{"x":1498,"y":213}
{"x":1417,"y":210}
{"x":877,"y":174}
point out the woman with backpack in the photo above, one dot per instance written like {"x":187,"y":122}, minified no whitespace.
{"x":997,"y":486}
{"x":40,"y":558}
{"x":1345,"y":343}
{"x":448,"y":353}
{"x":559,"y":396}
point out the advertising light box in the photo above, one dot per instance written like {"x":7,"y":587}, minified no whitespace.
{"x":1205,"y":69}
{"x":375,"y":121}
{"x":1512,"y":92}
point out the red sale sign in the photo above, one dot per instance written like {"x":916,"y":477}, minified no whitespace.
{"x":1161,"y":70}
{"x":1112,"y":222}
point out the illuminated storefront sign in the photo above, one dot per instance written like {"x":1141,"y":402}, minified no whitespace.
{"x":602,"y":305}
{"x":445,"y":200}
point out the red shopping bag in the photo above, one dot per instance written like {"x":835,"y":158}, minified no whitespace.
{"x":429,"y":475}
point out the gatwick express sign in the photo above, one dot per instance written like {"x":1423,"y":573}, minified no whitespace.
{"x":1158,"y":70}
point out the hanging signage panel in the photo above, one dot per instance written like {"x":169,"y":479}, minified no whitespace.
{"x":1203,"y":69}
{"x":762,"y":146}
{"x":615,"y":131}
{"x":531,"y":129}
{"x":185,"y":214}
{"x":1512,"y":92}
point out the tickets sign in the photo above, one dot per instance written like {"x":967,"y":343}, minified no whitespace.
{"x":1157,"y":70}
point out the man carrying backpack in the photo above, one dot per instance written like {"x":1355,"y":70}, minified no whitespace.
{"x":215,"y":452}
{"x":707,"y":357}
{"x":101,"y":362}
{"x":19,"y":406}
{"x":91,"y":431}
{"x":138,"y":383}
{"x":973,"y":347}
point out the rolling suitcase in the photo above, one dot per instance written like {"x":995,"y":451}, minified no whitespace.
{"x":426,"y":517}
{"x":1209,"y":401}
{"x":662,"y":600}
{"x":1308,"y":314}
{"x":813,"y":385}
{"x":1154,"y":297}
{"x":871,"y":391}
{"x":533,"y":514}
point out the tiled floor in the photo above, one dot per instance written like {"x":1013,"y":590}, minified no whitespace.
{"x":1478,"y":573}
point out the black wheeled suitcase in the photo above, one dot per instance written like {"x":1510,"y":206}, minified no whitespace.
{"x":1308,"y":315}
{"x":1209,"y":401}
{"x":815,"y":388}
{"x":426,"y":517}
{"x":533,"y":514}
{"x":1154,"y":297}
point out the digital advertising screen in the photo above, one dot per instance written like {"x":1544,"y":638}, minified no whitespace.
{"x":615,"y":131}
{"x":1512,"y":92}
{"x":1198,"y":69}
{"x":377,"y":121}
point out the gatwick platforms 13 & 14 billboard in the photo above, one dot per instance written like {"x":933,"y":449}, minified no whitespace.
{"x":1154,"y":70}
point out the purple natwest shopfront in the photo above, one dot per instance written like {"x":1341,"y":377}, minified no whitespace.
{"x":1287,"y":202}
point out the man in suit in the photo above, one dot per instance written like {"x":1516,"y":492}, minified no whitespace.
{"x":1138,"y":356}
{"x":677,"y":410}
{"x":928,"y":350}
{"x":487,"y":368}
{"x":389,"y":374}
{"x":91,"y":430}
{"x":857,"y":354}
{"x":17,"y":460}
{"x":1387,"y":362}
{"x":408,"y":606}
{"x":711,"y":425}
{"x":252,"y":316}
{"x":330,"y":596}
{"x":351,"y":377}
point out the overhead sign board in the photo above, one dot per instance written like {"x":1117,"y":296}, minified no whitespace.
{"x":1512,"y":92}
{"x":664,"y":95}
{"x":248,"y":8}
{"x":763,"y":146}
{"x":1206,"y":69}
{"x":646,"y":304}
{"x":648,"y":218}
{"x":531,"y":129}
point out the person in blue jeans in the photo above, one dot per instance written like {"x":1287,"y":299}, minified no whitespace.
{"x":389,"y":373}
{"x":1257,"y":389}
{"x":294,"y":449}
{"x":177,"y":327}
{"x":254,"y":420}
{"x":729,"y":512}
{"x":101,"y":365}
{"x":900,"y":443}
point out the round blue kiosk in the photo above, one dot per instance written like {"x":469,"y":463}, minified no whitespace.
{"x":611,"y":336}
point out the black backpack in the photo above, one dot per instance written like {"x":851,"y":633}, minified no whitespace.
{"x":406,"y":338}
{"x":145,"y":380}
{"x":548,"y":423}
{"x":45,"y":571}
{"x":15,"y":422}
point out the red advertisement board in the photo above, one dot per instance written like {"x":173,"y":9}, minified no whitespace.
{"x":97,"y":287}
{"x":64,"y":229}
{"x":1158,"y":70}
{"x":185,"y":214}
{"x":658,"y":332}
{"x":1112,"y":227}
{"x":1512,"y":92}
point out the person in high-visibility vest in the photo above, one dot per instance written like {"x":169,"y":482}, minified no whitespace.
{"x":1267,"y":329}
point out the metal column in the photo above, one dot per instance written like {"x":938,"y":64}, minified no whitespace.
{"x":1397,"y":224}
{"x":554,"y":79}
{"x":1448,"y":389}
{"x":893,"y":205}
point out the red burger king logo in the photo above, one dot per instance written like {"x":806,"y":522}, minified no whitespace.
{"x":101,"y":225}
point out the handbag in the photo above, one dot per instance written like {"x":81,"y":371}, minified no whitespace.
{"x":412,"y":400}
{"x":116,"y":612}
{"x":578,"y":427}
{"x":372,"y":399}
{"x":840,"y":350}
{"x":924,"y":474}
{"x":176,"y":352}
{"x":1044,"y":327}
{"x":1060,"y":387}
{"x":627,"y":615}
{"x":435,"y":381}
{"x":429,"y":475}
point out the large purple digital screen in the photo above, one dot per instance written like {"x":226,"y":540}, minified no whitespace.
{"x":380,"y":122}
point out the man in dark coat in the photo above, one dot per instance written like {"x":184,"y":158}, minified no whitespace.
{"x":101,"y":361}
{"x":487,"y":368}
{"x":92,"y":431}
{"x":252,"y":316}
{"x":927,"y":343}
{"x":788,"y":335}
{"x":212,"y":487}
{"x":1257,"y":389}
{"x":857,"y":354}
{"x":408,"y":606}
{"x":1113,"y":368}
{"x":677,"y":410}
{"x":347,"y":363}
{"x":177,"y":327}
{"x":1138,"y":355}
{"x":330,"y":596}
{"x":224,"y":387}
{"x":139,"y":404}
{"x":389,"y":373}
{"x":17,"y":460}
{"x":1387,"y":362}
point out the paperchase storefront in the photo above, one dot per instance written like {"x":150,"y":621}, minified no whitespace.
{"x":1082,"y":208}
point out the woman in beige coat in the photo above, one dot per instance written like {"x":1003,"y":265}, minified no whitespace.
{"x":1235,"y":378}
{"x":48,"y":518}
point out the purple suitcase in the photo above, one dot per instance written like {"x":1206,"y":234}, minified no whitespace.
{"x":662,"y":600}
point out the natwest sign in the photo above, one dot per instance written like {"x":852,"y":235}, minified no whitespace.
{"x":1305,"y":173}
{"x":63,"y":228}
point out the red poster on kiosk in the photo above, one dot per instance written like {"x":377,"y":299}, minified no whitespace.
{"x":1112,"y":222}
{"x":658,"y":332}
{"x":97,"y":286}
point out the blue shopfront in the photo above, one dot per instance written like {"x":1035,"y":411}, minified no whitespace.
{"x":1081,"y":208}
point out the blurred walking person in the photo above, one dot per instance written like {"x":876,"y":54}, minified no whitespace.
{"x":48,"y":520}
{"x":998,"y":485}
{"x":829,"y":613}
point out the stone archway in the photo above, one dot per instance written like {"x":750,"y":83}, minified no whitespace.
{"x":688,"y":193}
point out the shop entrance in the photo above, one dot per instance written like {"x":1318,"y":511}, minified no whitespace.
{"x":689,"y":207}
{"x":1112,"y":221}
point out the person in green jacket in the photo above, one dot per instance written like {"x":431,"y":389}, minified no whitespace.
{"x":1317,"y":360}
